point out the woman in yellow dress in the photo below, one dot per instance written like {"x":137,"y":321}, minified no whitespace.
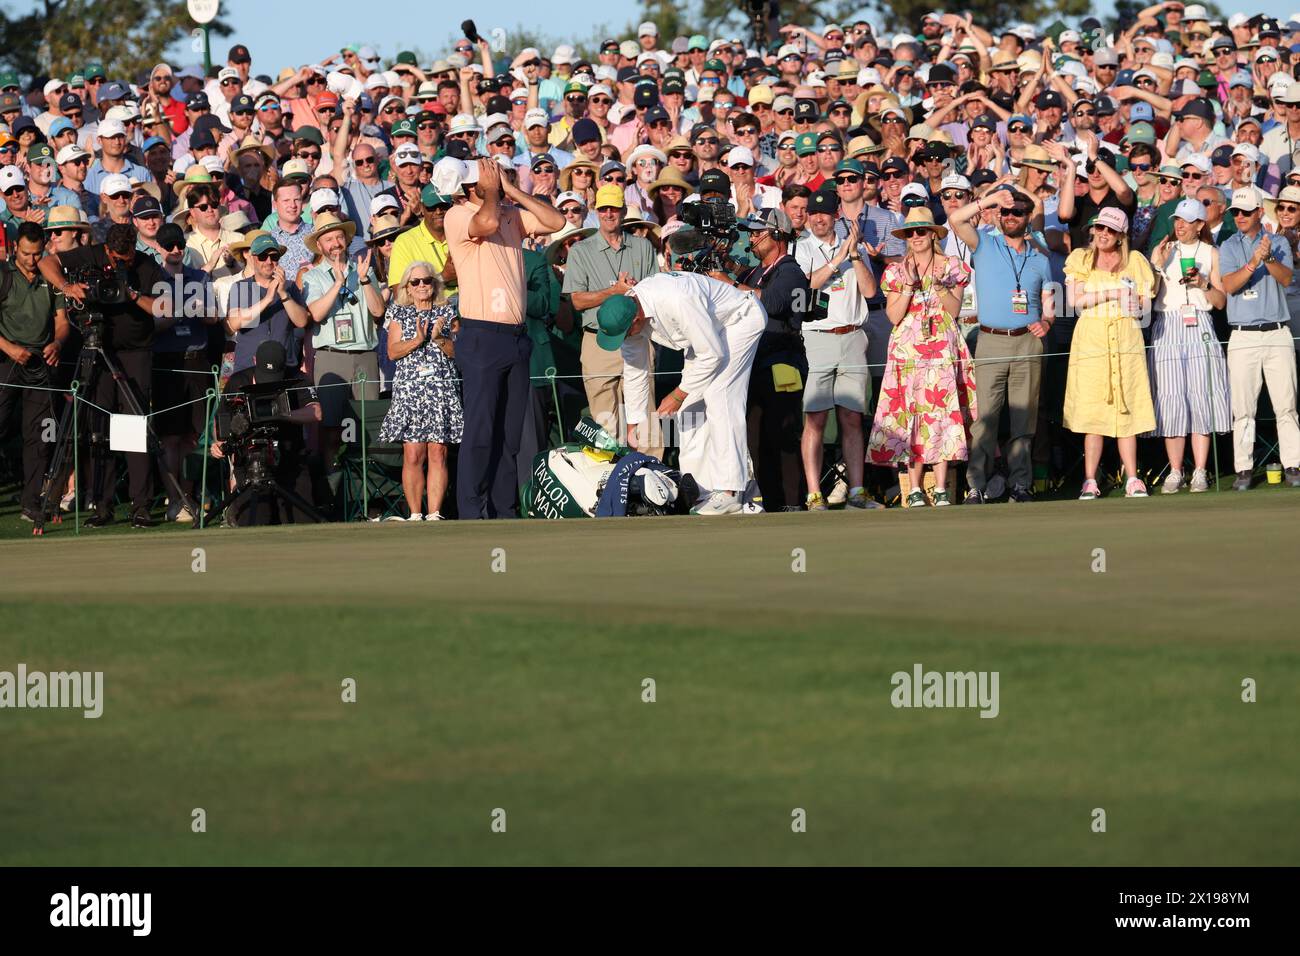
{"x":1107,"y":393}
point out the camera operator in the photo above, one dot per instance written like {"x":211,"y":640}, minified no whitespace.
{"x":33,"y":328}
{"x":127,"y":280}
{"x":290,"y":468}
{"x":775,"y":405}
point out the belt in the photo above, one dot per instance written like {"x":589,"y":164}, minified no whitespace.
{"x":838,"y":330}
{"x":1267,"y":327}
{"x":507,"y":328}
{"x":984,"y":329}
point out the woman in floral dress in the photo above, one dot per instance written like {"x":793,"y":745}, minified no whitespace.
{"x":927,"y":399}
{"x":425,"y":414}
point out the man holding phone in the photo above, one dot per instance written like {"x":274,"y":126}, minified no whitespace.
{"x":1012,"y":282}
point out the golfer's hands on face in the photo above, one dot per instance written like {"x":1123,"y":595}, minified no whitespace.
{"x":489,"y":177}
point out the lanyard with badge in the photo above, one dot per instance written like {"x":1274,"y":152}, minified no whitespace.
{"x":967,"y":293}
{"x":345,"y":332}
{"x":1019,"y":297}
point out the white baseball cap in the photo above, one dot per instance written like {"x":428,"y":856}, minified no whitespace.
{"x":407,"y":155}
{"x":382,"y":203}
{"x":113,"y":184}
{"x":1247,"y":150}
{"x":322,"y":198}
{"x":463,"y":123}
{"x":536,"y":117}
{"x":1190,"y":210}
{"x":494,"y":119}
{"x":739,"y":154}
{"x":1237,"y":20}
{"x":69,"y":153}
{"x":564,"y":54}
{"x":955,"y":181}
{"x":569,"y":196}
{"x":647,"y":29}
{"x":111,"y":127}
{"x":1247,"y":200}
{"x":375,"y":80}
{"x":1195,"y":12}
{"x":1199,"y":160}
{"x":213,"y":164}
{"x":227,"y":73}
{"x":53,"y":86}
{"x":11,"y":176}
{"x":597,"y":89}
{"x":450,"y":175}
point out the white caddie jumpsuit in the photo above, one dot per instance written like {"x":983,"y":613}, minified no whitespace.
{"x":717,"y":327}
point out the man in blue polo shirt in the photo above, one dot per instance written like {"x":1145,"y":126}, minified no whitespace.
{"x":1256,"y":268}
{"x":1016,"y":309}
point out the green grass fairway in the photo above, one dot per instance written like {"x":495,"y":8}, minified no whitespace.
{"x":522,"y":690}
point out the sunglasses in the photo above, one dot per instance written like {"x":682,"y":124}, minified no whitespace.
{"x":435,"y":126}
{"x":762,"y":108}
{"x":73,"y":114}
{"x":309,"y":154}
{"x":1141,"y":167}
{"x":893,"y":175}
{"x":1013,"y":212}
{"x":200,"y":207}
{"x":387,"y":110}
{"x":546,"y":169}
{"x":1107,"y":229}
{"x":171,"y":246}
{"x":1145,"y":81}
{"x":601,"y":100}
{"x":707,"y":141}
{"x":912,"y":233}
{"x":850,"y":179}
{"x":841,"y":110}
{"x":1013,"y":129}
{"x":617,"y":178}
{"x":1193,"y":176}
{"x":316,"y":81}
{"x":1288,"y":207}
{"x":830,"y":148}
{"x":576,"y":98}
{"x":646,"y":161}
{"x":661,"y":124}
{"x":741,"y":166}
{"x":681,"y":154}
{"x":232,"y":82}
{"x":1238,"y":213}
{"x":419,"y":281}
{"x":1085,"y":113}
{"x":15,"y":190}
{"x":94,"y":81}
{"x":952,"y":194}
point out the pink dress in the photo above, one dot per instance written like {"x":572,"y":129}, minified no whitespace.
{"x":927,"y":398}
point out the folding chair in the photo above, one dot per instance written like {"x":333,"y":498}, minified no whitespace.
{"x":371,"y":475}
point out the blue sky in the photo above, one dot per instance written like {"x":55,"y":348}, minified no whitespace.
{"x":280,"y":33}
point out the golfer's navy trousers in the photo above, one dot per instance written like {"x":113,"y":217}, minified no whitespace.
{"x":493,"y":360}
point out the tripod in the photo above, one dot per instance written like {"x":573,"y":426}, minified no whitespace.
{"x":260,"y":484}
{"x":91,"y":363}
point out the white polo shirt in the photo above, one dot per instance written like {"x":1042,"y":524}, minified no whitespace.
{"x":846,"y":305}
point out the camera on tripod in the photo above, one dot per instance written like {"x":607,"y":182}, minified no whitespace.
{"x":249,"y":422}
{"x":103,"y":286}
{"x":703,"y":247}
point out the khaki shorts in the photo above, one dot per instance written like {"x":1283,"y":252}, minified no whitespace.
{"x":332,"y":370}
{"x":837,"y":372}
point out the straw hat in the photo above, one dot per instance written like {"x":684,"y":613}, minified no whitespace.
{"x":245,"y":241}
{"x":194,"y":176}
{"x":557,"y":239}
{"x":1037,"y":157}
{"x":64,"y":217}
{"x":670,"y":176}
{"x":252,"y":144}
{"x":631,"y":222}
{"x":328,"y":222}
{"x":384,"y":227}
{"x":920,"y":217}
{"x":236,"y":221}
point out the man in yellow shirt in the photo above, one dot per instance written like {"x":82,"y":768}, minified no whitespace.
{"x":427,"y":242}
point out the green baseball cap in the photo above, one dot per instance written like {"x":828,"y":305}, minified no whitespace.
{"x":40,"y":153}
{"x":697,"y":41}
{"x":574,"y":87}
{"x":403,"y":127}
{"x":406,"y":58}
{"x":1141,"y":132}
{"x":93,"y":70}
{"x":310,"y":134}
{"x":77,"y":81}
{"x":430,"y":197}
{"x":265,"y":243}
{"x":615,"y":317}
{"x":717,"y":66}
{"x":805,"y":143}
{"x":850,"y":166}
{"x":8,"y":79}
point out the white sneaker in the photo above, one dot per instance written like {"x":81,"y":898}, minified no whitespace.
{"x":1200,"y":481}
{"x":436,"y":516}
{"x":65,"y":503}
{"x":1173,"y":484}
{"x":1135,"y":488}
{"x":184,"y":516}
{"x":839,"y":493}
{"x":416,"y":517}
{"x":396,"y":518}
{"x":718,"y":503}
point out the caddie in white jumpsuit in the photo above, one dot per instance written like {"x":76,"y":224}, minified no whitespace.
{"x":717,"y":327}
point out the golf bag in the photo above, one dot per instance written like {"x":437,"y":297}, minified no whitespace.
{"x":595,"y":477}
